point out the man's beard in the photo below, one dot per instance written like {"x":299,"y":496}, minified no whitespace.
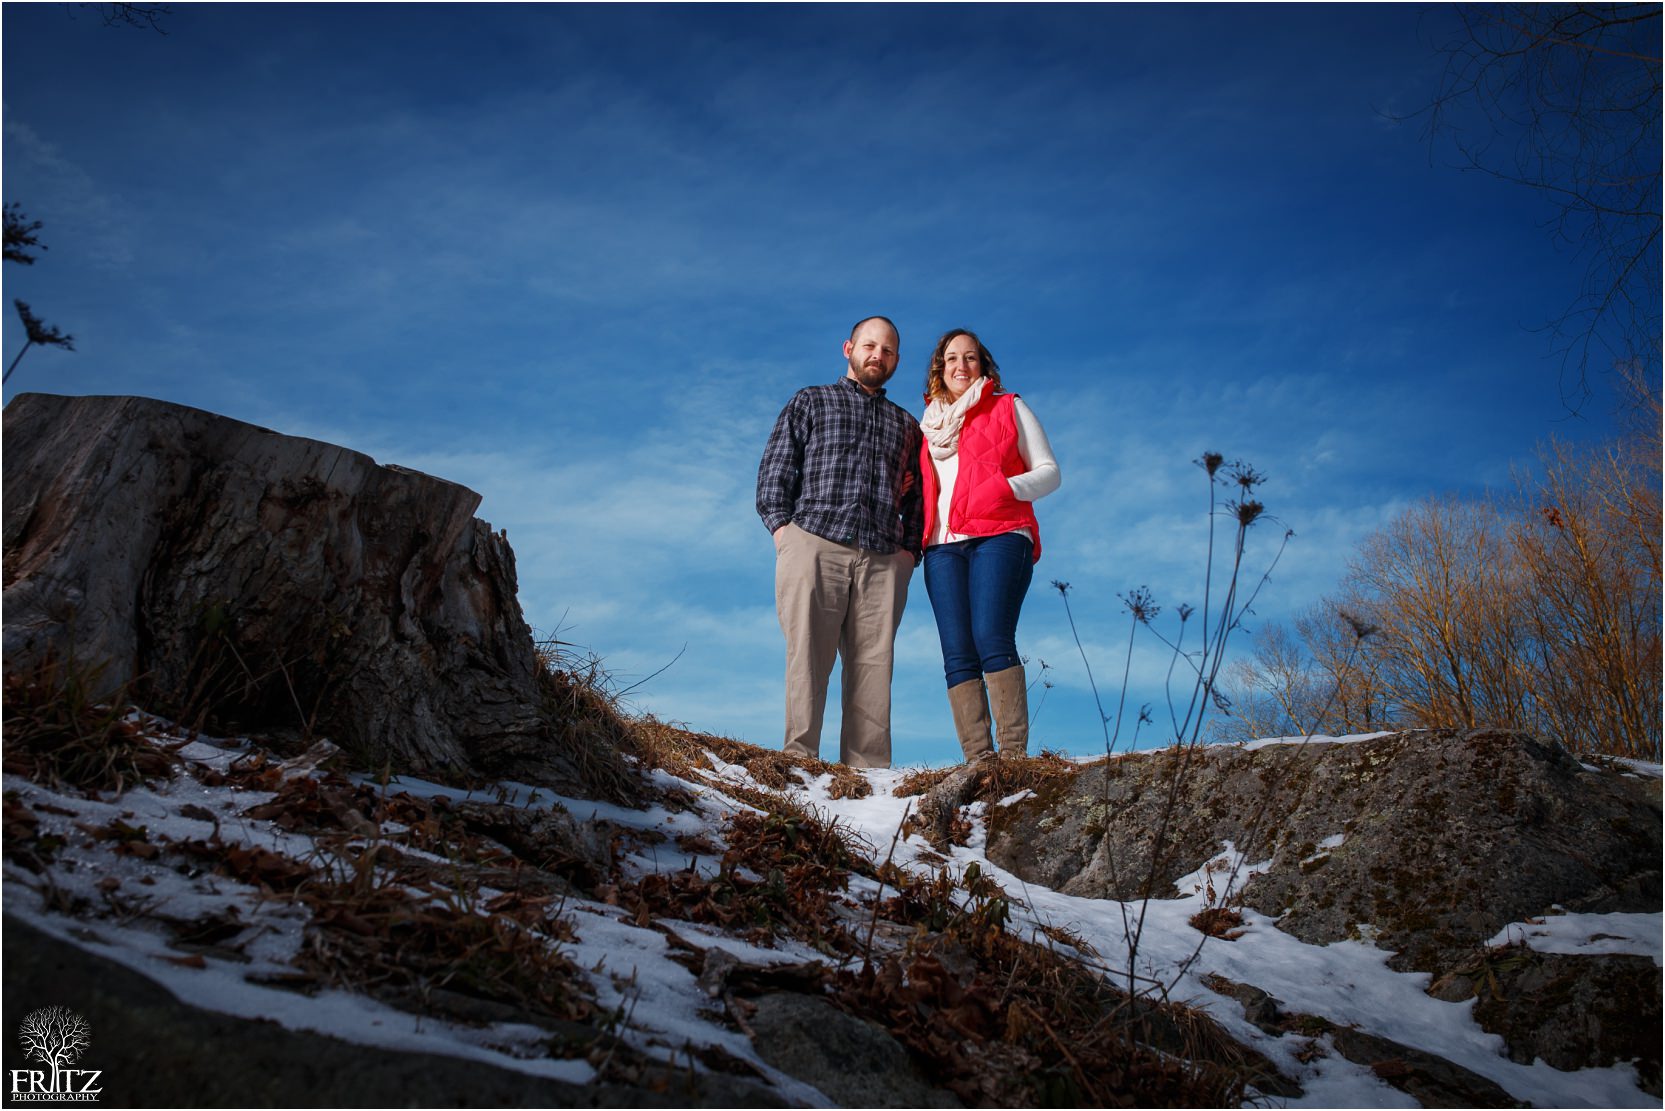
{"x":872,"y":376}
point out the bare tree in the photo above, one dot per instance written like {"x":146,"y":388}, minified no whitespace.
{"x":1586,"y":534}
{"x":1326,"y":677}
{"x":1439,"y":586}
{"x":56,"y":1037}
{"x":1270,"y":693}
{"x":1565,"y":98}
{"x":1347,"y":666}
{"x":1539,"y":612}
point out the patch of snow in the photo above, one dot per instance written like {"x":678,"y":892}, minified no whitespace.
{"x":221,"y":987}
{"x":1640,"y":767}
{"x":1315,"y":739}
{"x":1587,"y":934}
{"x":1222,"y":877}
{"x":1334,"y":841}
{"x":1334,"y":1081}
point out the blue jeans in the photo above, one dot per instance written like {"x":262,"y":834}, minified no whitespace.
{"x":976,"y":588}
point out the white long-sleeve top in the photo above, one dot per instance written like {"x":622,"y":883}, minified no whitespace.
{"x":1039,"y":480}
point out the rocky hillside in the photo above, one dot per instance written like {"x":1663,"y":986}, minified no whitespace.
{"x":281,"y":930}
{"x":1426,"y":844}
{"x":295,"y":812}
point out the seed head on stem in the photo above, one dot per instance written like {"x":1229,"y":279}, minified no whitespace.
{"x":1141,"y":604}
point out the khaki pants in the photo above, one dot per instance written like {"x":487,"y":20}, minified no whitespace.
{"x":834,"y":601}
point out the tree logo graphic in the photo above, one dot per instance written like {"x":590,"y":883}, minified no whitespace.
{"x":56,"y":1037}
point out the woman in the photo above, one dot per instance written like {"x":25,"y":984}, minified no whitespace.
{"x":984,"y":461}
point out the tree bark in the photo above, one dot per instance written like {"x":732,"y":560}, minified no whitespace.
{"x":242,"y":580}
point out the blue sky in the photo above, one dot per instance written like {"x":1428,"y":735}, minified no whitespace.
{"x":578,"y":257}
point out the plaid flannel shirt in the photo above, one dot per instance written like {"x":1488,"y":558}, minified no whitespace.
{"x":834,"y":466}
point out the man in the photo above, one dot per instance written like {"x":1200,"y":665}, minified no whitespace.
{"x":839,"y":490}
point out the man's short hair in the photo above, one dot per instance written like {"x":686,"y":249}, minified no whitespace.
{"x":886,"y":319}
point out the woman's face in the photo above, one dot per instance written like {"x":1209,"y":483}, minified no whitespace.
{"x":961,"y":365}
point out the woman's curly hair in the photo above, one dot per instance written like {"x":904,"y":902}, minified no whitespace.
{"x":935,"y":388}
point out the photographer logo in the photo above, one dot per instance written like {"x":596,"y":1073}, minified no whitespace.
{"x":56,"y":1037}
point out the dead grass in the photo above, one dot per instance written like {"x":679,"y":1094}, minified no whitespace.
{"x":779,"y":877}
{"x":922,"y":780}
{"x":1003,"y":1022}
{"x":940,"y":817}
{"x":1222,"y":922}
{"x":388,"y":944}
{"x":687,"y":754}
{"x":58,"y":732}
{"x":589,"y":724}
{"x":998,"y":778}
{"x":1063,"y":935}
{"x":998,"y":1020}
{"x":401,"y":928}
{"x":384,"y":917}
{"x":586,"y":725}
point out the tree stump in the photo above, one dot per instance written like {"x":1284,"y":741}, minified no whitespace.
{"x":237,"y":579}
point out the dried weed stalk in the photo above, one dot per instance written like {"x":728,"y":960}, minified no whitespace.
{"x":1226,"y":600}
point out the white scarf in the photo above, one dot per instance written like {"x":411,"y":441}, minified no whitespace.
{"x":942,"y":420}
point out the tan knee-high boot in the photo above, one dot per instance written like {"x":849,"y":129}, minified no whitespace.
{"x":971,"y":719}
{"x":1009,"y":691}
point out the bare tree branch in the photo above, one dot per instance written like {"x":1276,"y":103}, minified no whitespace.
{"x":1565,"y":99}
{"x":138,"y":16}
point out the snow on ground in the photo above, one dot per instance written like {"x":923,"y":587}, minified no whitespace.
{"x":1347,"y":982}
{"x":1314,"y":739}
{"x":631,"y":969}
{"x":1586,"y":934}
{"x":1638,"y":767}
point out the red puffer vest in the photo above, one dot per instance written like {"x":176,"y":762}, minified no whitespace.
{"x":983,"y":503}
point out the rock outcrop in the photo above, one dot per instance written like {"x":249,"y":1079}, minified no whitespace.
{"x":1426,"y":843}
{"x":1568,"y":1010}
{"x":1437,"y":840}
{"x":245,"y":580}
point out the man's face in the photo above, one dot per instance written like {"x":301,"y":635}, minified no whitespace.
{"x":872,"y":352}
